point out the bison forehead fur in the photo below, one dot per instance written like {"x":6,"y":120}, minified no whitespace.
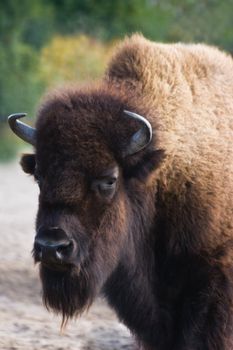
{"x":156,"y":239}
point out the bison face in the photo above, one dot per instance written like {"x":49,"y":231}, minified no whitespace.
{"x":81,"y":228}
{"x":91,"y":157}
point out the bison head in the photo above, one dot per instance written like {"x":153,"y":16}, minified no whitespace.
{"x":92,"y":158}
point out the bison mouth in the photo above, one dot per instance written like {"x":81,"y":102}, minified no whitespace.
{"x":53,"y":263}
{"x":63,"y":267}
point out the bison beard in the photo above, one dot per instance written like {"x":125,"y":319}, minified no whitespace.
{"x":70,"y":292}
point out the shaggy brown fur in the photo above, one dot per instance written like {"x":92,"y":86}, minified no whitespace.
{"x":160,"y":247}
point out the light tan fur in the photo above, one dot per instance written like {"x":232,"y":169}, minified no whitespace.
{"x":188,"y":90}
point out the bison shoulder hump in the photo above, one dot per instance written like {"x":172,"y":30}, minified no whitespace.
{"x":131,"y":59}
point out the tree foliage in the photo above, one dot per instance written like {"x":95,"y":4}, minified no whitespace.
{"x":68,"y":59}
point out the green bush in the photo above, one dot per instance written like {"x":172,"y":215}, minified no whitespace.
{"x":20,"y":89}
{"x":8,"y":144}
{"x":73,"y":58}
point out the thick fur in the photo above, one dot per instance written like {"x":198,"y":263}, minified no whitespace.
{"x":161,"y":249}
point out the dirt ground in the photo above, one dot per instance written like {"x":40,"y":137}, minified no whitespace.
{"x":24,"y":322}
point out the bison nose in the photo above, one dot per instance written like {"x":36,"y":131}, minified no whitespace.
{"x":52,"y":245}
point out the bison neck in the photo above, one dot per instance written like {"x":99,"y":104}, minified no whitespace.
{"x":130,"y":291}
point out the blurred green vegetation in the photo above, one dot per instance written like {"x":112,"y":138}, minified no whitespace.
{"x":48,"y":42}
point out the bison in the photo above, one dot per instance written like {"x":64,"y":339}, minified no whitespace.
{"x":136,"y":194}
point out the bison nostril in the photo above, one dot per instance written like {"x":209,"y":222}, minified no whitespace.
{"x":64,"y":250}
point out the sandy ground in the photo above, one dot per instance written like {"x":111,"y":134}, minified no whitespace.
{"x":24,"y":322}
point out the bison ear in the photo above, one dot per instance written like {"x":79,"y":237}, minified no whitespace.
{"x":28,"y":163}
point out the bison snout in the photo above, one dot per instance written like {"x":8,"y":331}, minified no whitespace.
{"x":53,"y":246}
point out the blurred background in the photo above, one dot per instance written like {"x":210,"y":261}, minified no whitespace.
{"x":46,"y":42}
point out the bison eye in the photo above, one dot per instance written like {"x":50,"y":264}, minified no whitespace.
{"x":105,"y":186}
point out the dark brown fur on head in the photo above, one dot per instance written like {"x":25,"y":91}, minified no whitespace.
{"x":95,"y":116}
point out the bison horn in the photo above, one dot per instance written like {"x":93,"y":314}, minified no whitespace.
{"x":142,"y":137}
{"x":24,"y":131}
